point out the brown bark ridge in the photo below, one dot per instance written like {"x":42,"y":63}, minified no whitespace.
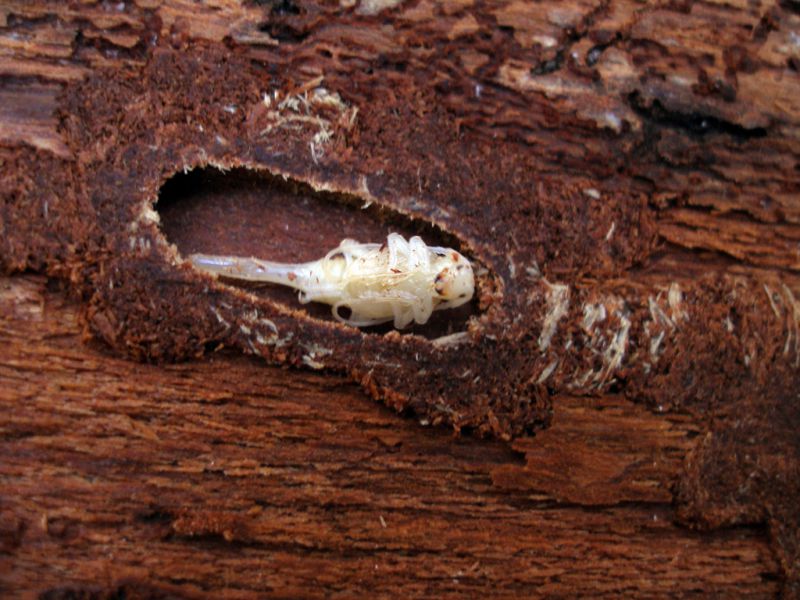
{"x":625,"y":177}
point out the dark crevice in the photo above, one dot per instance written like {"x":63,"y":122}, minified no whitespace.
{"x":549,"y":66}
{"x":281,"y":7}
{"x":697,"y":124}
{"x":19,"y":22}
{"x":594,"y":54}
{"x":574,"y":35}
{"x":284,"y":32}
{"x":605,"y":42}
{"x":155,"y":516}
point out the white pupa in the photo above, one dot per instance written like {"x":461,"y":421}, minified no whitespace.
{"x":399,"y":280}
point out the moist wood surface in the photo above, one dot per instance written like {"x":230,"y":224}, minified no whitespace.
{"x":621,"y":150}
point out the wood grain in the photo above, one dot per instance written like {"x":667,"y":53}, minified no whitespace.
{"x":660,"y":143}
{"x":224,"y":477}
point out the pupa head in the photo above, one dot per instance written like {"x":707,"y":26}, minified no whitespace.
{"x":454,"y":283}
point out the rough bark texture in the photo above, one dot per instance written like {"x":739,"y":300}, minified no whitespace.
{"x":625,"y":175}
{"x":228,"y":475}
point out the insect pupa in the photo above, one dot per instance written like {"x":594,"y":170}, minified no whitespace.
{"x":401,"y":280}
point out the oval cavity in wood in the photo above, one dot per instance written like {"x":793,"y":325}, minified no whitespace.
{"x":243,"y":212}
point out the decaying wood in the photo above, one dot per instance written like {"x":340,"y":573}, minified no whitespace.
{"x":639,"y":161}
{"x":228,"y":475}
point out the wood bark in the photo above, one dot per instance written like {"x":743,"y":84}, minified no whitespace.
{"x":228,"y":477}
{"x":648,"y":148}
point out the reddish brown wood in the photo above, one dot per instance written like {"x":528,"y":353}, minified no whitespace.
{"x":226,"y":477}
{"x":661,"y":144}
